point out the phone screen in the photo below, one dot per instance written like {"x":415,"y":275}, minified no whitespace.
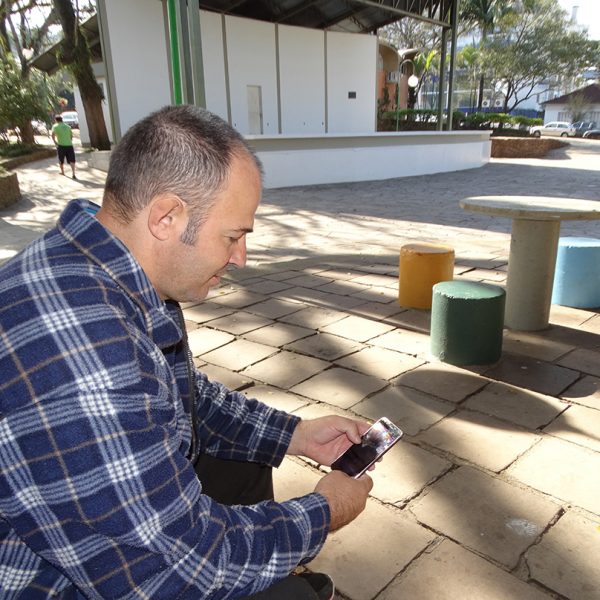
{"x":374,"y":444}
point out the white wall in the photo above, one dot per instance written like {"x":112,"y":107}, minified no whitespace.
{"x":251,"y":60}
{"x":351,"y":67}
{"x":84,"y":134}
{"x":136,"y":36}
{"x":213,"y":56}
{"x":306,"y":160}
{"x":302,"y":79}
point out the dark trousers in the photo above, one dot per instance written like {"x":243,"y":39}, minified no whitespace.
{"x":234,"y":482}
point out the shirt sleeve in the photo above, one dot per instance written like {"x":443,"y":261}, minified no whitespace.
{"x":233,"y":426}
{"x":100,"y":487}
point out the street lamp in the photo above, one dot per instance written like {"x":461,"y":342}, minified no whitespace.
{"x":413,"y":82}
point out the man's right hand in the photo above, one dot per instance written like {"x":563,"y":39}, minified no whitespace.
{"x":347,"y":497}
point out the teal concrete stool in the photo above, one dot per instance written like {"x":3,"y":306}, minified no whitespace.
{"x":467,"y":319}
{"x":577,"y":274}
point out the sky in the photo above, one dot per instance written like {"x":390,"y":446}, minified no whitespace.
{"x":587,"y":14}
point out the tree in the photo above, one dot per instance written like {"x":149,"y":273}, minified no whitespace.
{"x":22,"y":99}
{"x":483,"y":15}
{"x":534,"y":44}
{"x":19,"y":40}
{"x":75,"y":55}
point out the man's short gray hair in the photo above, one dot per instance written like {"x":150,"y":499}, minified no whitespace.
{"x":182,"y":150}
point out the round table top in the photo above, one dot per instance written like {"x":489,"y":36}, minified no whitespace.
{"x":537,"y":208}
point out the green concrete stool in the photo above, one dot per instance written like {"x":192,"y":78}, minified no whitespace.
{"x":467,"y":319}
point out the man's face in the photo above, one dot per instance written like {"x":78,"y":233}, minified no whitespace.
{"x":221,"y":239}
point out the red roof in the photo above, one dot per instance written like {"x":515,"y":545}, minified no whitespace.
{"x":590,"y":94}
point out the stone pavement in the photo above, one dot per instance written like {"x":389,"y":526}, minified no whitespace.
{"x":494,"y":493}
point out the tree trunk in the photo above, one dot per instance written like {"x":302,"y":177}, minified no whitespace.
{"x":26,"y":132}
{"x":480,"y":96}
{"x":76,"y":55}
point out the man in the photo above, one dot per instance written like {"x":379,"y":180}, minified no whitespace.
{"x":103,"y":415}
{"x":62,"y":136}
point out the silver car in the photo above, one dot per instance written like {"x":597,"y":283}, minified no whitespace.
{"x":554,"y":128}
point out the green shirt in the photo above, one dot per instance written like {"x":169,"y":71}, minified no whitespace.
{"x":63,"y":134}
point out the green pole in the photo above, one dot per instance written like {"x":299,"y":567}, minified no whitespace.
{"x":174,"y":44}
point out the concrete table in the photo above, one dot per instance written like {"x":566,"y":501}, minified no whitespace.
{"x":533,"y":248}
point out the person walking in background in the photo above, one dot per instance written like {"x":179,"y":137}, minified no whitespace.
{"x":62,"y":136}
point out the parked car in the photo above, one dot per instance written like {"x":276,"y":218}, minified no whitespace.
{"x":582,"y":126}
{"x":555,"y":128}
{"x":592,"y":134}
{"x":70,"y":118}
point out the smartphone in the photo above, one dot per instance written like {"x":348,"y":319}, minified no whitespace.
{"x":374,"y":443}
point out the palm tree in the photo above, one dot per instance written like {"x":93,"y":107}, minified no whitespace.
{"x":483,"y":14}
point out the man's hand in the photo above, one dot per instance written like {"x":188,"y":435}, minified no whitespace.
{"x":325,"y":438}
{"x":347,"y":497}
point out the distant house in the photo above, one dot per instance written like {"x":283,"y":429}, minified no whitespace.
{"x":580,"y":105}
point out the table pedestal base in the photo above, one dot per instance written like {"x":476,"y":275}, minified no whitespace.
{"x":531,"y":264}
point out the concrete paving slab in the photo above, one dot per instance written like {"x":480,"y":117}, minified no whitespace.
{"x":343,"y":287}
{"x":482,"y":440}
{"x":566,"y":559}
{"x":240,"y":322}
{"x":230,"y":379}
{"x":443,"y":381}
{"x":583,"y":359}
{"x":523,"y":407}
{"x":278,"y":334}
{"x":366,"y":555}
{"x":561,"y":469}
{"x":534,"y":345}
{"x":578,"y":424}
{"x":568,"y":316}
{"x":204,"y":339}
{"x":585,"y":391}
{"x":379,"y":362}
{"x":448,"y":572}
{"x":592,"y":325}
{"x":404,"y":471}
{"x":238,"y":299}
{"x":267,"y":286}
{"x":339,"y":387}
{"x":409,"y":342}
{"x":276,"y":398}
{"x":274,"y":308}
{"x":412,"y":318}
{"x":485,"y":514}
{"x":294,"y":478}
{"x":378,"y":310}
{"x":314,"y":317}
{"x":239,"y":354}
{"x":385,"y":295}
{"x":357,"y":328}
{"x":531,"y":374}
{"x":411,"y":410}
{"x":206,"y":311}
{"x":286,"y":369}
{"x":325,"y":346}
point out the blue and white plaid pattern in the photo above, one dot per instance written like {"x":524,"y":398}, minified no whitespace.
{"x":97,"y":497}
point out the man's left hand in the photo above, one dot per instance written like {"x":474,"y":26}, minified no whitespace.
{"x":325,"y":438}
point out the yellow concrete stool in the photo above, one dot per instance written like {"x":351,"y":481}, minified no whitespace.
{"x":422,"y":265}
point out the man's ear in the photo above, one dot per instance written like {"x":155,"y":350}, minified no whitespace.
{"x":167,"y":216}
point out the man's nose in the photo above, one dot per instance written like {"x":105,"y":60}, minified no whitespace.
{"x":238,"y":257}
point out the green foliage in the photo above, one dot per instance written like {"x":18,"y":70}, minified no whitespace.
{"x":11,"y":150}
{"x":497,"y":121}
{"x":532,"y":43}
{"x":22,"y":100}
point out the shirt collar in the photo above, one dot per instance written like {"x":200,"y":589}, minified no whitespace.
{"x":79,"y":226}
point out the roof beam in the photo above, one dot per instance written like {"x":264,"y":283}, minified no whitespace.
{"x":400,"y":12}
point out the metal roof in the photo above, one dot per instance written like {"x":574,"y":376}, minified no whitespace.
{"x":353,"y":16}
{"x":48,"y":61}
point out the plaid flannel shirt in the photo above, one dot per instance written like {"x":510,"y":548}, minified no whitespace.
{"x":98,"y":498}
